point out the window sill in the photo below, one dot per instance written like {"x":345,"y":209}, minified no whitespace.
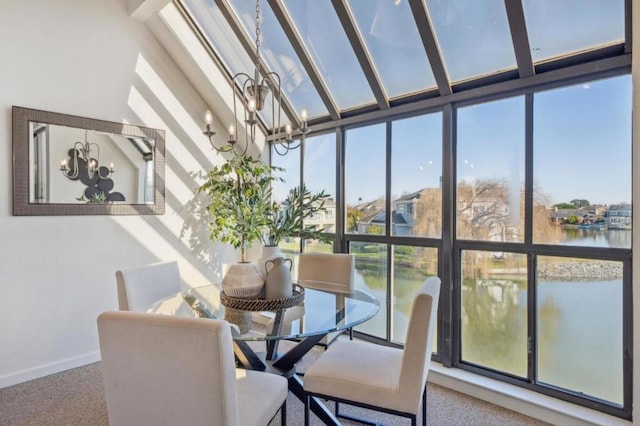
{"x":527,"y":402}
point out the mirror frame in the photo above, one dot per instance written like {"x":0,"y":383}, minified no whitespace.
{"x":21,"y":141}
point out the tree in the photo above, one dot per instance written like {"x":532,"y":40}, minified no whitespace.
{"x":239,"y":201}
{"x":565,"y":206}
{"x":353,"y":217}
{"x":580,"y":203}
{"x":483,"y":209}
{"x":573,"y":219}
{"x":375,"y":230}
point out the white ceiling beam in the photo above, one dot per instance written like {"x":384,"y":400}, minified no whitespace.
{"x":142,"y":10}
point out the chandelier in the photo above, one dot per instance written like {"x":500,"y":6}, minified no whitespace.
{"x":251,"y":92}
{"x":85,"y":156}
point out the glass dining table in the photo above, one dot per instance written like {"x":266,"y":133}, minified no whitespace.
{"x":319,"y":313}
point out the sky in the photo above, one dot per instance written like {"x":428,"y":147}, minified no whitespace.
{"x":582,"y":147}
{"x":582,"y":141}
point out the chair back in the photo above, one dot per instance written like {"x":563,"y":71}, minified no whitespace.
{"x":416,"y":358}
{"x":167,"y":370}
{"x":327,"y":271}
{"x":140,"y":287}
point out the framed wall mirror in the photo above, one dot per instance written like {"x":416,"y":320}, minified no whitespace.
{"x":69,"y":165}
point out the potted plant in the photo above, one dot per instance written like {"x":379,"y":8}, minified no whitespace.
{"x":287,"y":219}
{"x":239,"y":211}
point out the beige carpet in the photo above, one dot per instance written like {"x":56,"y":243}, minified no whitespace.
{"x":76,"y":397}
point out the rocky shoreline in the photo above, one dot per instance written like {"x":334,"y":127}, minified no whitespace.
{"x":588,"y":271}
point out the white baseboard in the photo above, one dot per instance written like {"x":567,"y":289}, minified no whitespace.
{"x":47,"y":369}
{"x":527,"y":402}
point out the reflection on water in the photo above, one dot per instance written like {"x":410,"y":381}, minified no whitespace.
{"x":579,"y":326}
{"x":597,"y":238}
{"x":494,"y":325}
{"x":585,"y":351}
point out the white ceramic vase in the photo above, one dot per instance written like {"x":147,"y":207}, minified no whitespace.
{"x":278,"y":282}
{"x":243,"y":280}
{"x":268,"y":253}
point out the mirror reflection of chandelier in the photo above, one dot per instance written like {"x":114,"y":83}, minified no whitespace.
{"x":85,"y":156}
{"x":253,"y":97}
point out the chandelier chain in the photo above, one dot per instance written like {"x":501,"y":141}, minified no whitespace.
{"x":258,"y":21}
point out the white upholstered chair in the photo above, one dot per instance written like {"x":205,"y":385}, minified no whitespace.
{"x":324,"y":271}
{"x":327,"y":271}
{"x":380,"y":377}
{"x":140,"y":287}
{"x":169,"y":370}
{"x":333,"y":272}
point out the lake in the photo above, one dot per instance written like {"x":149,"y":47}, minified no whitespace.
{"x":579,"y":322}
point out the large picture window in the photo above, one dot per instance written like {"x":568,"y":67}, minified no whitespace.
{"x":523,"y":208}
{"x":582,"y":164}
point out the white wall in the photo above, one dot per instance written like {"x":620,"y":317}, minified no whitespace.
{"x":89,"y":58}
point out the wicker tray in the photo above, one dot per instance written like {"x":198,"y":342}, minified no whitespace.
{"x":257,"y":305}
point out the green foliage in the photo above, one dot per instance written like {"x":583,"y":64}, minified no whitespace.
{"x":97,"y":198}
{"x":241,"y":211}
{"x":353,"y":217}
{"x":580,"y":203}
{"x":375,"y":230}
{"x":287,"y":219}
{"x":573,"y":219}
{"x":565,"y":206}
{"x":240,"y":201}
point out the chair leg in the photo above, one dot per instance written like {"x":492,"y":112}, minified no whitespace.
{"x":283,"y":413}
{"x":424,"y":406}
{"x":351,"y":334}
{"x":307,"y":414}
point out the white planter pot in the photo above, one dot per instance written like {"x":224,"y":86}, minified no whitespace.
{"x":243,"y":280}
{"x":268,"y":253}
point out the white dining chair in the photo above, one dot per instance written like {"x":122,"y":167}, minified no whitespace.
{"x":379,"y":377}
{"x":140,"y":287}
{"x":334,"y":272}
{"x":168,"y":370}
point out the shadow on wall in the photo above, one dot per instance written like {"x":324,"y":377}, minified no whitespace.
{"x":195,"y":231}
{"x":156,"y":98}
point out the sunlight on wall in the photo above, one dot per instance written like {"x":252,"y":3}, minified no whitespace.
{"x":187,"y":152}
{"x":147,"y":114}
{"x":223,"y":113}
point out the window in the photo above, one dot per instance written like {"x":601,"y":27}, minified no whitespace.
{"x":494,"y":310}
{"x":411,"y":267}
{"x":582,"y":163}
{"x":572,"y":338}
{"x":527,"y":276}
{"x":490,"y":170}
{"x":416,"y":170}
{"x":371,"y":268}
{"x":320,"y":175}
{"x":365,"y":180}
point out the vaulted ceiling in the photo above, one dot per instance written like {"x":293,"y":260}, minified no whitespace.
{"x":343,"y":58}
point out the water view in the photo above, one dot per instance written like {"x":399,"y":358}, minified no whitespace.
{"x":579,"y":321}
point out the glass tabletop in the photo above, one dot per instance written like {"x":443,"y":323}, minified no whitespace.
{"x":321,"y":312}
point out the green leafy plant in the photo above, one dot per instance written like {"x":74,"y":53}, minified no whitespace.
{"x":97,"y":198}
{"x":240,"y":201}
{"x":288,"y":218}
